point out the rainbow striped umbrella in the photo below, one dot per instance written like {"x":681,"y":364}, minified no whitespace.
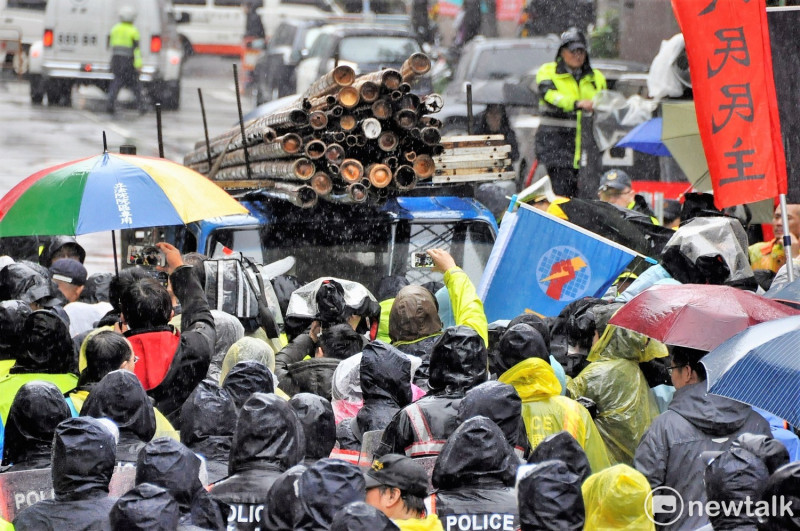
{"x":111,"y":192}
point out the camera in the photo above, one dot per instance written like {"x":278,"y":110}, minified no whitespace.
{"x":146,"y":255}
{"x":421,"y":259}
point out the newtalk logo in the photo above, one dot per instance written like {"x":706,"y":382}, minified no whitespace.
{"x":664,"y":506}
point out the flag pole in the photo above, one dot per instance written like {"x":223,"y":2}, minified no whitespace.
{"x":787,"y":238}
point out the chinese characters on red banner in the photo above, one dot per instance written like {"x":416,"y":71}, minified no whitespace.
{"x":730,"y":61}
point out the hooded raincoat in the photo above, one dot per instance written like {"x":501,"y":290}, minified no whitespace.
{"x":172,"y":466}
{"x":323,"y":489}
{"x":358,"y":516}
{"x":36,"y":411}
{"x":268,"y":441}
{"x":385,"y":385}
{"x":736,"y":475}
{"x":550,"y":498}
{"x":783,"y":482}
{"x":457,"y":364}
{"x":83,"y":462}
{"x":501,"y":403}
{"x":615,"y":499}
{"x":285,"y":507}
{"x":625,"y":404}
{"x":474,"y":477}
{"x":120,"y":397}
{"x":229,"y":331}
{"x":562,"y":446}
{"x":246,"y":378}
{"x":316,"y":417}
{"x":146,"y":507}
{"x":696,"y":422}
{"x":13,"y":314}
{"x":546,"y":412}
{"x":208,"y":422}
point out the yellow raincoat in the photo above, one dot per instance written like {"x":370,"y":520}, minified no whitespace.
{"x":626,"y":406}
{"x":429,"y":523}
{"x":615,"y":499}
{"x":545,"y":412}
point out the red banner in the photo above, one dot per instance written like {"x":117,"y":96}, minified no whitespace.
{"x":730,"y":61}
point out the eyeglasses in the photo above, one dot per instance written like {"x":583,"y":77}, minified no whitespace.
{"x":670,"y":369}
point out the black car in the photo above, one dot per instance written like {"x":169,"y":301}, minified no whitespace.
{"x":274,"y":70}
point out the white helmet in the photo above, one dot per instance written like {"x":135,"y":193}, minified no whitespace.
{"x":127,"y":14}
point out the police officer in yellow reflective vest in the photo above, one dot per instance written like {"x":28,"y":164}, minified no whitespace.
{"x":567,"y":87}
{"x":126,"y":58}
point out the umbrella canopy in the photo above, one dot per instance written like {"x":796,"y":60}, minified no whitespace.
{"x":681,"y":136}
{"x":111,"y":192}
{"x":788,"y":293}
{"x":700,"y":316}
{"x":760,"y":367}
{"x":646,"y":137}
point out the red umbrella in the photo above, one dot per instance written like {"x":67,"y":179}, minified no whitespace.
{"x":697,"y":316}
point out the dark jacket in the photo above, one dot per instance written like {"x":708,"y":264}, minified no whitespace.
{"x":172,"y":466}
{"x":208,"y":422}
{"x":550,"y":498}
{"x":458,"y":363}
{"x":13,"y":314}
{"x":319,"y":425}
{"x":783,"y":482}
{"x":323,"y":489}
{"x":246,"y":378}
{"x":501,"y":403}
{"x":121,"y":398}
{"x":475,"y":473}
{"x":385,"y":385}
{"x":188,"y":362}
{"x":37,"y":409}
{"x":358,"y":516}
{"x":268,"y":441}
{"x":146,"y":507}
{"x":562,"y":446}
{"x":46,"y":346}
{"x":668,"y":454}
{"x":518,"y":343}
{"x":285,"y":508}
{"x":735,"y":475}
{"x":83,"y":462}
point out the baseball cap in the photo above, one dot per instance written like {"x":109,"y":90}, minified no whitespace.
{"x":616,"y":179}
{"x":576,"y":45}
{"x":399,"y":471}
{"x":69,"y":270}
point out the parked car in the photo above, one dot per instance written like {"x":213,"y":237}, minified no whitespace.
{"x":274,"y":71}
{"x":364,"y":47}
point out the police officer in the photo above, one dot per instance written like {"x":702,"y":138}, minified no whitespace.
{"x":126,"y":58}
{"x":567,"y":87}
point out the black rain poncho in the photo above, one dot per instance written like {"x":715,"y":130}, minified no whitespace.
{"x":550,"y":498}
{"x":246,"y":378}
{"x":324,"y":488}
{"x":358,"y":516}
{"x":285,"y":508}
{"x":735,"y":475}
{"x":146,"y":507}
{"x":385,"y":385}
{"x":783,"y":482}
{"x":500,"y":403}
{"x":13,"y":314}
{"x":562,"y":446}
{"x":316,"y":417}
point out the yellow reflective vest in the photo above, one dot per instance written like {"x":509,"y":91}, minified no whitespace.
{"x":124,"y":40}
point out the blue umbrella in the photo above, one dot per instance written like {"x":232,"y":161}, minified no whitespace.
{"x":646,"y":137}
{"x":786,"y":293}
{"x":760,"y":366}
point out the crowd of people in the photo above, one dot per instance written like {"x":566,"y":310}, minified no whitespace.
{"x":406,"y":411}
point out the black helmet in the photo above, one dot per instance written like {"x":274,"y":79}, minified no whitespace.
{"x":573,"y":38}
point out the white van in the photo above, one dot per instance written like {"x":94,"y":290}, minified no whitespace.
{"x":75,"y":51}
{"x":23,"y":19}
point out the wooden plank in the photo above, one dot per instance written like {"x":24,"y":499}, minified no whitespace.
{"x":472,"y":141}
{"x":473,"y":177}
{"x":245,"y":184}
{"x":476,"y":164}
{"x":469,"y":171}
{"x":452,"y":152}
{"x":472,"y":138}
{"x":447,"y":159}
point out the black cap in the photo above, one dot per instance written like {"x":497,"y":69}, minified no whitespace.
{"x":394,"y":470}
{"x":69,"y":270}
{"x":616,"y":179}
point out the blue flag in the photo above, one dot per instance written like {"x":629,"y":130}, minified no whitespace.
{"x":540,"y":263}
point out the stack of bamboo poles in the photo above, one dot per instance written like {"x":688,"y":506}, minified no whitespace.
{"x":346,"y":139}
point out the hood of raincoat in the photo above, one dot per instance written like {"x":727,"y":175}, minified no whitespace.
{"x":562,"y":446}
{"x":771,"y":451}
{"x":169,"y":464}
{"x":326,"y":487}
{"x":615,"y":499}
{"x":533,"y":378}
{"x":37,"y":409}
{"x":735,"y":474}
{"x":120,"y":397}
{"x":268,"y":435}
{"x":316,"y":417}
{"x":385,"y":374}
{"x":711,"y":414}
{"x":247,"y":349}
{"x":229,"y":331}
{"x":622,"y":344}
{"x":535,"y":321}
{"x":390,"y":286}
{"x":46,"y":345}
{"x":284,"y":507}
{"x":97,"y":288}
{"x":246,"y":378}
{"x":358,"y":516}
{"x":458,"y":361}
{"x":413,"y":315}
{"x":709,"y":250}
{"x":12,"y":323}
{"x":784,"y":482}
{"x":56,"y":243}
{"x":20,"y":281}
{"x":208,"y":421}
{"x":475,"y":455}
{"x":146,"y":507}
{"x":550,"y":498}
{"x":284,"y":286}
{"x":497,"y":401}
{"x":84,"y":455}
{"x":518,"y":343}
